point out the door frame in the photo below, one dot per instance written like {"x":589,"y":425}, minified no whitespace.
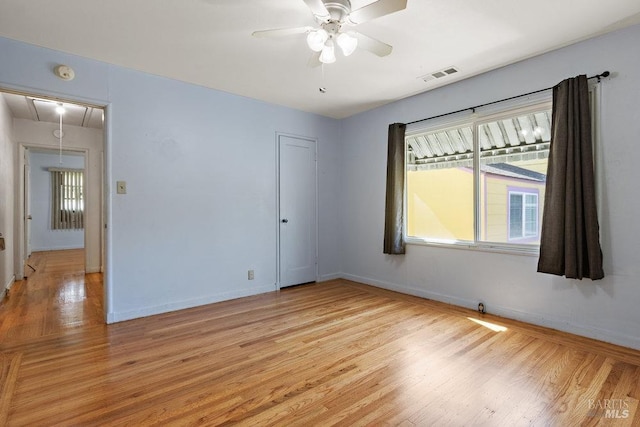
{"x":315,"y":189}
{"x":24,"y":204}
{"x":23,"y":194}
{"x":105,"y":205}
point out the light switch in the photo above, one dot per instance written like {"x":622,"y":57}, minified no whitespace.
{"x":121,"y":187}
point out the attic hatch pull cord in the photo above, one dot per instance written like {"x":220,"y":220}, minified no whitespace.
{"x":597,"y":76}
{"x":60,"y":138}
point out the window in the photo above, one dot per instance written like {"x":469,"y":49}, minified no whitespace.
{"x":67,"y":199}
{"x":479,"y":181}
{"x":440,"y":184}
{"x":523,"y":215}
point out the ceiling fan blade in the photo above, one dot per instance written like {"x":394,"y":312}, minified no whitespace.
{"x":282,"y":32}
{"x":376,"y":10}
{"x":314,"y":61}
{"x":372,"y":45}
{"x":318,"y":9}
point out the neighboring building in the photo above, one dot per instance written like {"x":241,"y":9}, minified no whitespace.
{"x":513,"y":208}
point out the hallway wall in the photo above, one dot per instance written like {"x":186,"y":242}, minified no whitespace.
{"x":7,"y":196}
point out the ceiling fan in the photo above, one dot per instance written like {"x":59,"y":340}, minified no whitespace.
{"x":332,"y":17}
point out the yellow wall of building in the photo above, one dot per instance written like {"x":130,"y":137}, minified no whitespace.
{"x":437,"y":214}
{"x":448,"y":213}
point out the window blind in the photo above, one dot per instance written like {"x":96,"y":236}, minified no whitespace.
{"x":67,"y":199}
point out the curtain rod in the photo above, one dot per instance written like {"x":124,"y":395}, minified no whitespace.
{"x":597,"y":76}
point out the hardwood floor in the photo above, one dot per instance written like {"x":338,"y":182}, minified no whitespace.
{"x":56,"y":296}
{"x":334,"y":353}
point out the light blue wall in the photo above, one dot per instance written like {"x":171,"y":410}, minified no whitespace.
{"x":201,"y":179}
{"x":43,"y":238}
{"x":509,"y":284}
{"x":200,"y":168}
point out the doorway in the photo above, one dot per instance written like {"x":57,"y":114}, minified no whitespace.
{"x":297,"y":208}
{"x":78,"y":140}
{"x":54,"y":195}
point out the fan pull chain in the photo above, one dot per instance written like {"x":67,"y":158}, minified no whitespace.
{"x":323,"y":88}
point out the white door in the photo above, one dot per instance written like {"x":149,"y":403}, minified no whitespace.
{"x":297,"y":221}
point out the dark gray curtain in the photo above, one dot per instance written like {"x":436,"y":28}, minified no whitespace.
{"x":394,"y":208}
{"x":570,"y":243}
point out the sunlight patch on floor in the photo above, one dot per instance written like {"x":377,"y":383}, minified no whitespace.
{"x":492,"y":326}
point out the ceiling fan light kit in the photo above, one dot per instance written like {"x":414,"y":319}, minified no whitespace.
{"x":328,"y":54}
{"x":332,"y":16}
{"x":321,"y":40}
{"x":347,"y":43}
{"x":316,"y":39}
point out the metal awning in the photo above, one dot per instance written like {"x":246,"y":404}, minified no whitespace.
{"x":523,"y":137}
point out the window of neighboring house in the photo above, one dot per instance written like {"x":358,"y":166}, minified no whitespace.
{"x":67,"y":199}
{"x":479,"y":182}
{"x":523,"y":215}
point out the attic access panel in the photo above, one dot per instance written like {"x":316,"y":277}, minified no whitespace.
{"x":74,"y":115}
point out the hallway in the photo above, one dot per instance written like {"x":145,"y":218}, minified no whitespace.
{"x":56,"y":296}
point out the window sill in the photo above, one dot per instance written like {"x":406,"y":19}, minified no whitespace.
{"x":482,"y":247}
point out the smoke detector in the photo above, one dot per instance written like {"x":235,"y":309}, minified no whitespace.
{"x":64,"y":72}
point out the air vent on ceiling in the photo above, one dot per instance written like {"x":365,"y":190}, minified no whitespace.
{"x":439,"y":74}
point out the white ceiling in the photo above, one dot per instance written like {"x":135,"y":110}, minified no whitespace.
{"x":209,"y":42}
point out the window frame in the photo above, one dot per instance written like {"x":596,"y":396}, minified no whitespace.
{"x":523,"y":192}
{"x":475,"y":119}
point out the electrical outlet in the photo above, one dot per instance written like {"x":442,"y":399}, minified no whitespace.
{"x":250,"y":275}
{"x":481,"y":308}
{"x":121,"y":187}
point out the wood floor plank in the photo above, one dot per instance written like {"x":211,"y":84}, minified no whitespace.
{"x":334,"y":353}
{"x":9,"y":367}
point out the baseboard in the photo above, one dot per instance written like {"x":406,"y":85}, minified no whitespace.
{"x":57,"y":248}
{"x":10,"y":283}
{"x":557,"y":323}
{"x":332,"y":276}
{"x":7,"y":286}
{"x":115,"y":317}
{"x":93,"y":269}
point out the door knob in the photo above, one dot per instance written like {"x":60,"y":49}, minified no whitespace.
{"x":285,"y":220}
